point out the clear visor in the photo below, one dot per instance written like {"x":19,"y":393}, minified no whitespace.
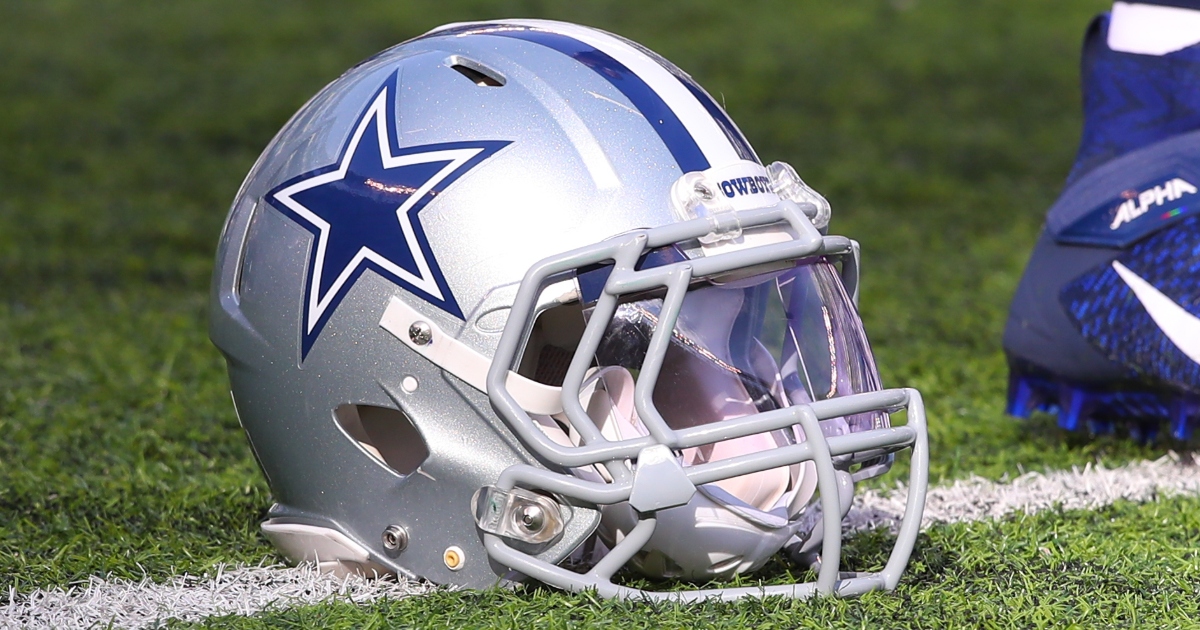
{"x":753,"y":345}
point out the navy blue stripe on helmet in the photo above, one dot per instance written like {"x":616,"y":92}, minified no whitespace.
{"x":739,"y":142}
{"x":662,"y":118}
{"x":670,"y":129}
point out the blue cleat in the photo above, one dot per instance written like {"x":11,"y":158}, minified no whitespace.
{"x":1183,"y":412}
{"x":1076,"y":405}
{"x":1105,"y":323}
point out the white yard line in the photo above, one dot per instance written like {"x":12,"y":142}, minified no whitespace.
{"x":240,"y":591}
{"x":976,"y":498}
{"x":250,"y":590}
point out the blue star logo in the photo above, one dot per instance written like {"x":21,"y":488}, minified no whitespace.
{"x":364,"y":212}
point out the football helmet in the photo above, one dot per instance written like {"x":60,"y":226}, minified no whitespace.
{"x":517,"y":299}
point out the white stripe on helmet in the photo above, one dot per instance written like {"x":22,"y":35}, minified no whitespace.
{"x":695,"y":118}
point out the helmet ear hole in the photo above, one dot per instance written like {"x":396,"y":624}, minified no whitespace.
{"x":478,"y":73}
{"x":387,"y":435}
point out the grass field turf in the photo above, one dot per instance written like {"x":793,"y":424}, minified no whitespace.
{"x":940,"y":131}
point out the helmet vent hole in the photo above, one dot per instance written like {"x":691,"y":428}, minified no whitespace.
{"x":478,"y":73}
{"x":385,"y":434}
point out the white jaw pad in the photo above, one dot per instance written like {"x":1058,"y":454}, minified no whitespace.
{"x":464,"y":362}
{"x":611,"y":408}
{"x":727,"y":527}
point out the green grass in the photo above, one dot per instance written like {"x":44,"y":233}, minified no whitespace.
{"x":939,"y":130}
{"x":1053,"y":570}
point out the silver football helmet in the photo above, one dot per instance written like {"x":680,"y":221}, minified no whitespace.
{"x":517,"y":299}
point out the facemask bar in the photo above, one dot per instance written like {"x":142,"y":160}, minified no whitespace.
{"x":659,"y":481}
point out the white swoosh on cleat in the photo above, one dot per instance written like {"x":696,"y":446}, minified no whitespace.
{"x":1180,"y":326}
